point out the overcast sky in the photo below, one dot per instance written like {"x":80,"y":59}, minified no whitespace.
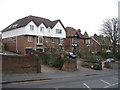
{"x":86,"y":15}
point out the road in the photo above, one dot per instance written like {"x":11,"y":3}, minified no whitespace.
{"x":108,"y":80}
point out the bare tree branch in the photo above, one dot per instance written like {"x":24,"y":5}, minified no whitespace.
{"x":111,"y":29}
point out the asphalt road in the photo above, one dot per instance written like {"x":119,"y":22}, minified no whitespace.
{"x":108,"y":80}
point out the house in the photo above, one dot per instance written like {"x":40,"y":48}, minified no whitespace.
{"x":75,"y":41}
{"x":34,"y":33}
{"x":105,"y":42}
{"x":1,"y":45}
{"x":95,"y":46}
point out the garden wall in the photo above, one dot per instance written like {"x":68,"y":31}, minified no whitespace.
{"x":20,"y":64}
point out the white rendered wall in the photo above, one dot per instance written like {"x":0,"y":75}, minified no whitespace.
{"x":58,"y":26}
{"x":36,"y":31}
{"x":15,"y":32}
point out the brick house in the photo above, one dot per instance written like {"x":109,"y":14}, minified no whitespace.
{"x":105,"y":42}
{"x":95,"y":46}
{"x":34,"y":33}
{"x":74,"y":41}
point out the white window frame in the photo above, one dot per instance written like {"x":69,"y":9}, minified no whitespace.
{"x":88,"y":42}
{"x":38,"y":39}
{"x":42,"y":29}
{"x":61,"y":41}
{"x":58,"y":31}
{"x":30,"y":39}
{"x":31,"y":27}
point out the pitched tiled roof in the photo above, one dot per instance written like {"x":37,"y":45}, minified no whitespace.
{"x":102,"y":40}
{"x":37,"y":20}
{"x":79,"y":33}
{"x":86,"y":35}
{"x":70,"y":31}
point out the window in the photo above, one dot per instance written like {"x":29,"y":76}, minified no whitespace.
{"x":61,"y":40}
{"x":30,"y":39}
{"x":13,"y":38}
{"x":31,"y":27}
{"x":41,"y":29}
{"x":39,"y":40}
{"x":15,"y":25}
{"x":88,"y":42}
{"x":74,"y":40}
{"x":58,"y":31}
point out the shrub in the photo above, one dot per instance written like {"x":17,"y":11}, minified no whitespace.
{"x":90,"y":61}
{"x":53,"y":60}
{"x":45,"y":57}
{"x":59,"y":62}
{"x":85,"y":64}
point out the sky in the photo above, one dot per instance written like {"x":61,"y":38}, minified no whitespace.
{"x":87,"y":15}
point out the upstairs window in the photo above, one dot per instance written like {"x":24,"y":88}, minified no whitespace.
{"x":74,"y":40}
{"x":58,"y":31}
{"x":42,"y":29}
{"x":31,"y":27}
{"x":13,"y":38}
{"x":88,"y":42}
{"x":30,"y":39}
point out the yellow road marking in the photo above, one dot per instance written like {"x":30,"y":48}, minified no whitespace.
{"x":28,"y":82}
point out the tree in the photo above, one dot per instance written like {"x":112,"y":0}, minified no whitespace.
{"x":111,"y":29}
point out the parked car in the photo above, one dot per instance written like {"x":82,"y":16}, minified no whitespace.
{"x":31,"y":55}
{"x":110,"y":60}
{"x":71,"y":55}
{"x":3,"y":53}
{"x":96,"y":66}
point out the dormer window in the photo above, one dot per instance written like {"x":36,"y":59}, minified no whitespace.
{"x":58,"y":31}
{"x":31,"y":27}
{"x":42,"y":29}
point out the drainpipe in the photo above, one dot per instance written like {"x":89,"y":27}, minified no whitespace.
{"x":16,"y":45}
{"x":35,"y":43}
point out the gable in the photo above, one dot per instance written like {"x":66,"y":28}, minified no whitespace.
{"x":37,"y":20}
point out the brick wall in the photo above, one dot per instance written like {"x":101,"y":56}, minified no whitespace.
{"x":81,"y":44}
{"x":9,"y":44}
{"x":22,"y":43}
{"x":68,"y":44}
{"x":94,"y":47}
{"x":20,"y":64}
{"x":70,"y":65}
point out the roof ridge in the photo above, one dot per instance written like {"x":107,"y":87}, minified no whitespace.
{"x":36,"y":19}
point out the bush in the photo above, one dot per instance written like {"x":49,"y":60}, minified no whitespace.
{"x":45,"y":57}
{"x":86,"y":65}
{"x":90,"y":61}
{"x":53,"y":60}
{"x":59,"y":62}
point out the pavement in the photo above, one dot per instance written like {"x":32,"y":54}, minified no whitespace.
{"x":52,"y":73}
{"x":9,"y":78}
